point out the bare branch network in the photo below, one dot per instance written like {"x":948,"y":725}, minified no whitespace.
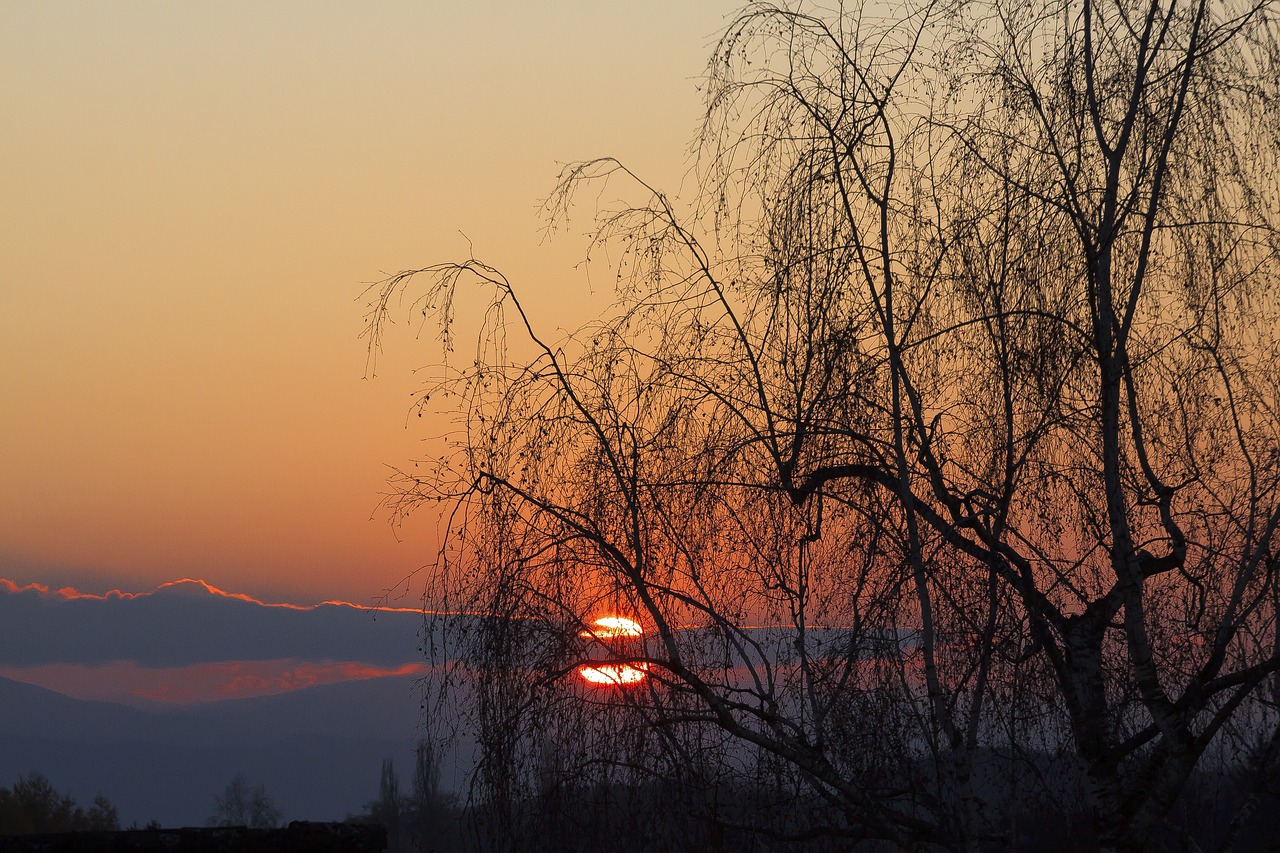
{"x":935,"y":443}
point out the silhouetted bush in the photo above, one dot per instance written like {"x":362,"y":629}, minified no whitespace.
{"x":32,"y":805}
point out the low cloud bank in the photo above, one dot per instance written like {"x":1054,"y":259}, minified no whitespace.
{"x":190,"y":622}
{"x":128,"y":683}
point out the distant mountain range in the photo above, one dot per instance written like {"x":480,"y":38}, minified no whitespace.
{"x":318,"y":751}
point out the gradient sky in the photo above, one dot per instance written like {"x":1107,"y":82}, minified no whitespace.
{"x":193,"y":196}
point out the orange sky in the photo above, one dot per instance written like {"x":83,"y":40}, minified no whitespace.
{"x":193,"y":195}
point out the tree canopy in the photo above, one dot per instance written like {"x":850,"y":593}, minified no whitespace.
{"x":33,"y":805}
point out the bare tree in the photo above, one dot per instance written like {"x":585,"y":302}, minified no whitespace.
{"x":241,"y":804}
{"x":936,"y":442}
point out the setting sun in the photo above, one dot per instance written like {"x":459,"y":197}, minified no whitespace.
{"x":614,"y":674}
{"x":612,"y":627}
{"x":609,"y":630}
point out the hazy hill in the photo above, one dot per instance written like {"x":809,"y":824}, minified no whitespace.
{"x":318,"y":751}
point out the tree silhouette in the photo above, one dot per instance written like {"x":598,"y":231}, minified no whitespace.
{"x":936,"y":442}
{"x":388,"y":809}
{"x":241,"y":804}
{"x":32,"y":805}
{"x":431,"y":809}
{"x":424,"y":819}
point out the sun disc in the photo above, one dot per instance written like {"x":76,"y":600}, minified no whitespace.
{"x":612,"y":627}
{"x":614,"y":674}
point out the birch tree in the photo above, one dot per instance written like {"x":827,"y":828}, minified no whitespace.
{"x":935,"y":442}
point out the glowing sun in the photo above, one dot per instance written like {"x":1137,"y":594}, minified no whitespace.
{"x":610,"y":630}
{"x":614,"y":674}
{"x":612,"y":627}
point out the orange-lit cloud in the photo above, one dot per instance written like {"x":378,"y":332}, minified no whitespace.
{"x":308,"y":675}
{"x":127,"y":682}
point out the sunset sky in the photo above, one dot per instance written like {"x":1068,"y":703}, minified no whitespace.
{"x":194,"y":197}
